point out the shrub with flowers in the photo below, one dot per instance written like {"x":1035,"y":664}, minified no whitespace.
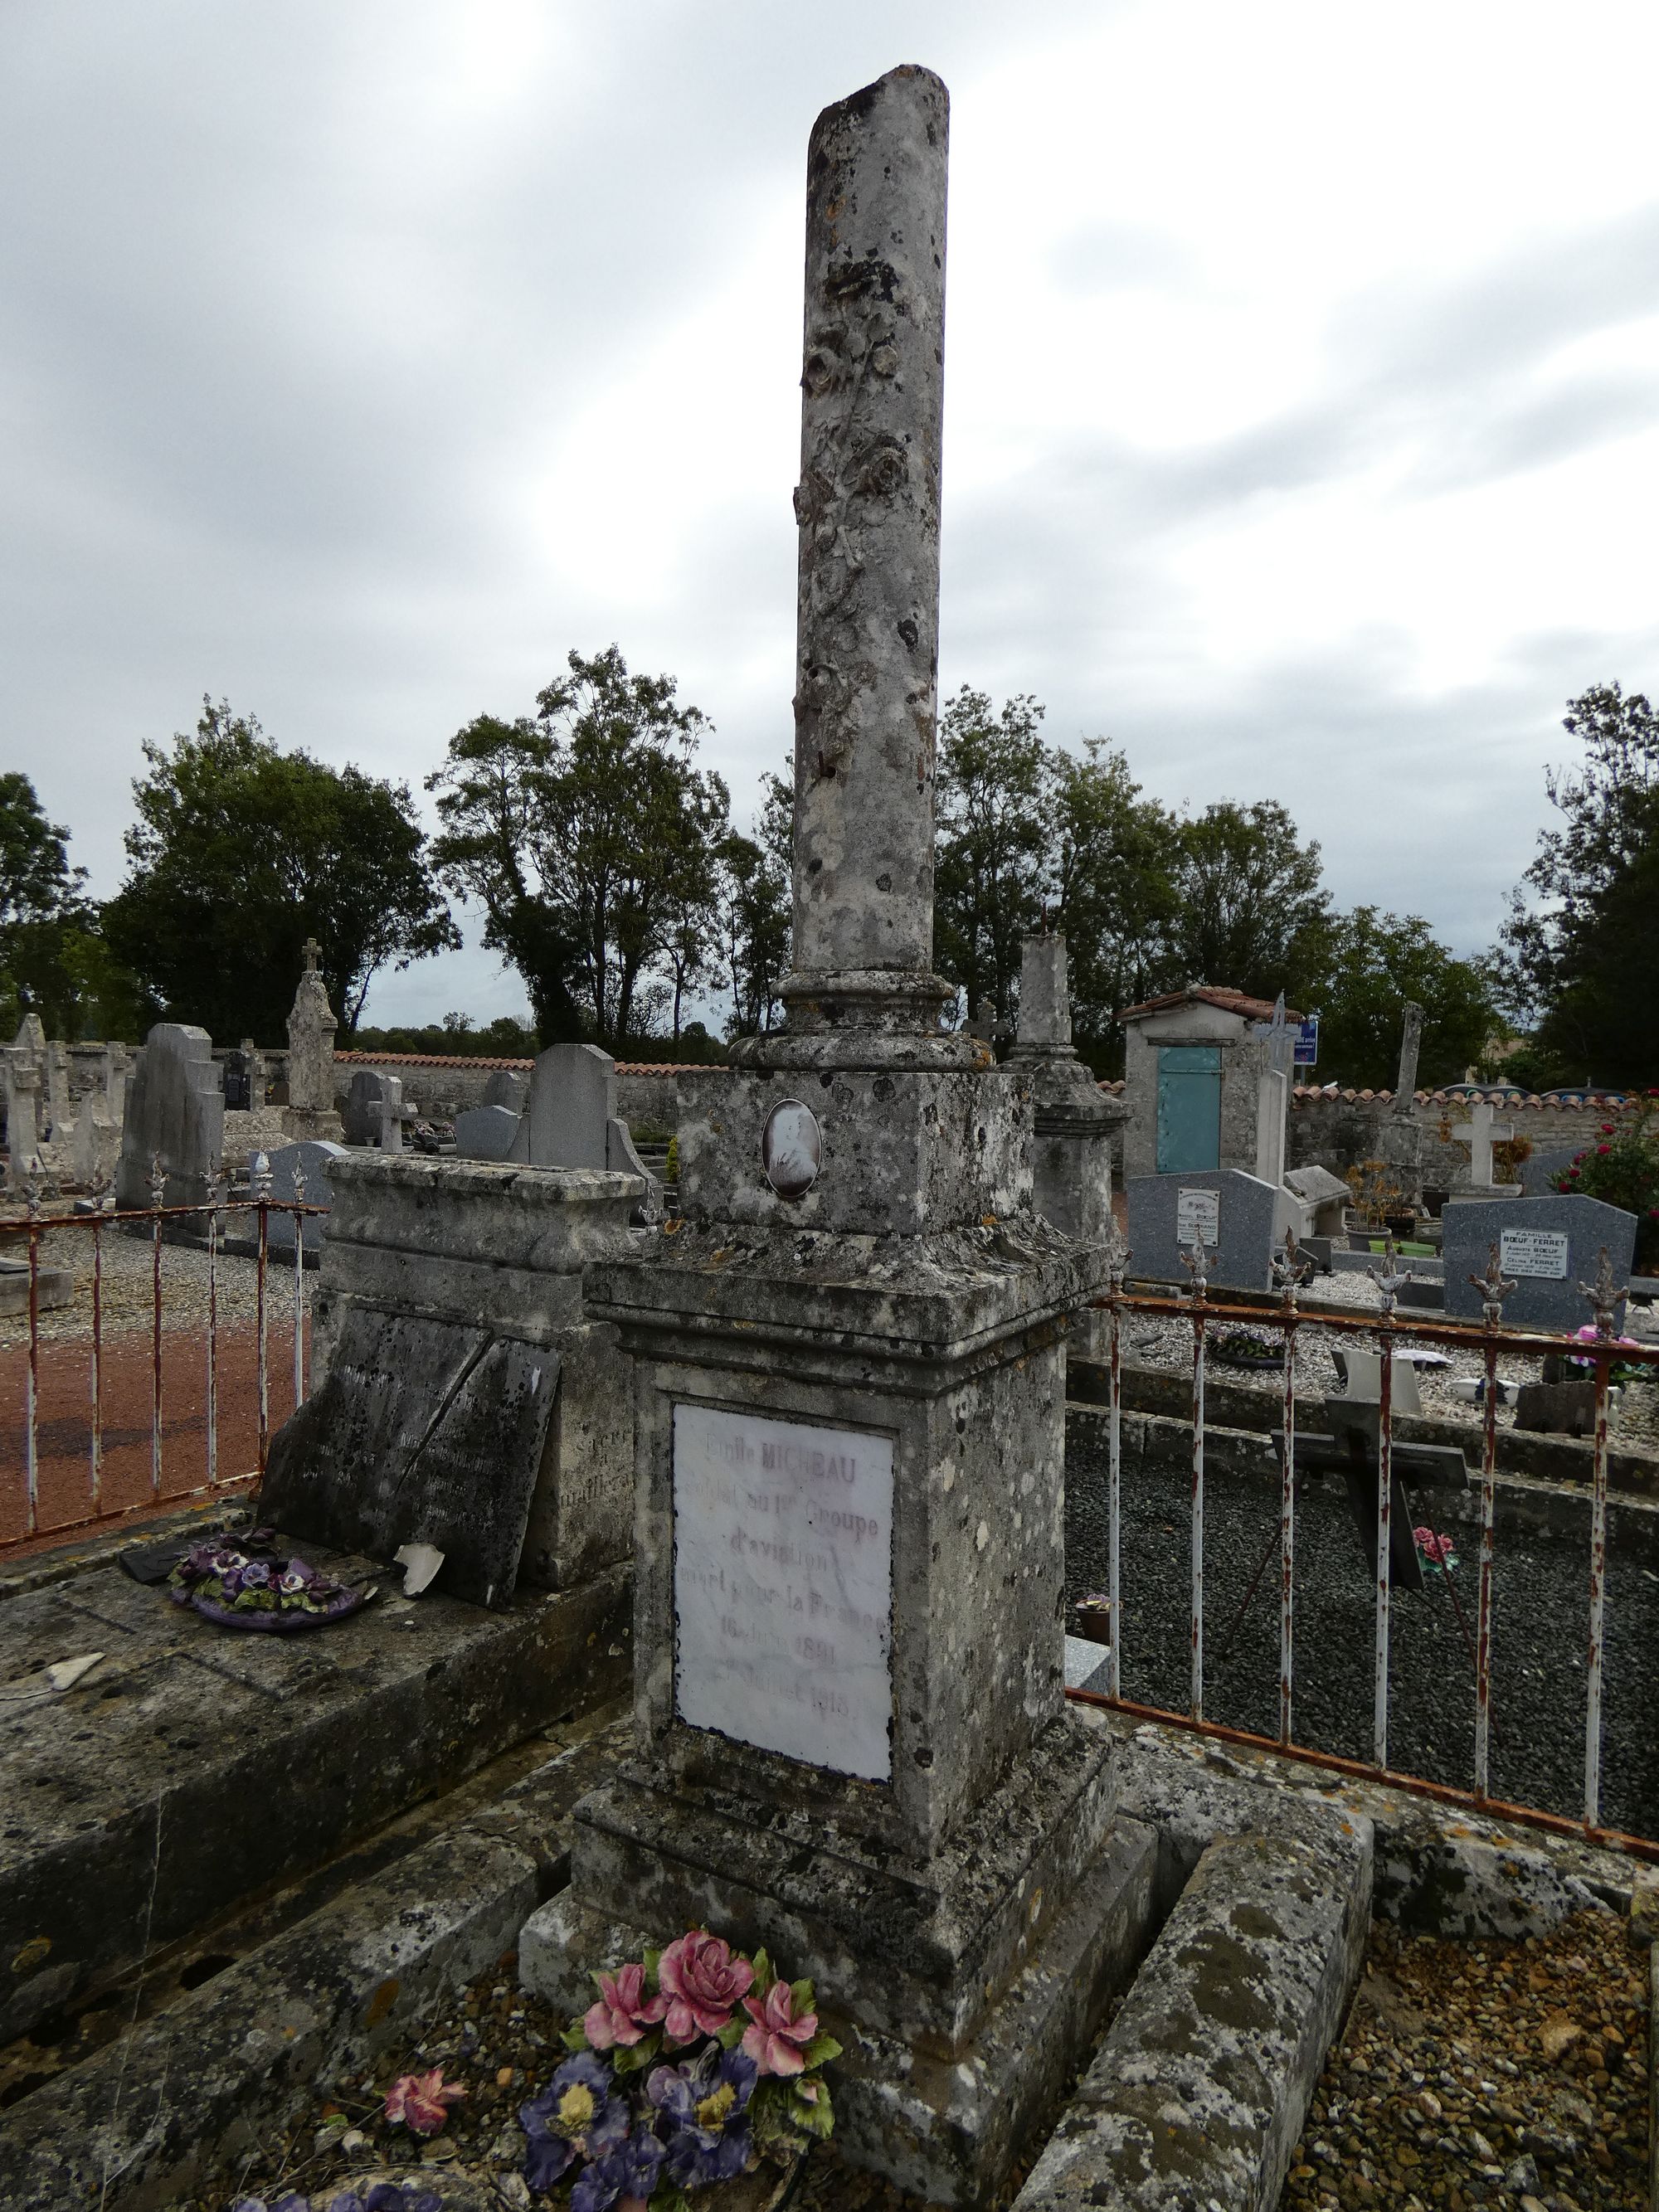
{"x":250,"y":1587}
{"x":693,"y":2064}
{"x":1621,"y":1168}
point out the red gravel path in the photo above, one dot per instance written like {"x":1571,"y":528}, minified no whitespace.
{"x":64,"y":1422}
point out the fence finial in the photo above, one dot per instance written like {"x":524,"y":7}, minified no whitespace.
{"x":158,"y":1181}
{"x":1604,"y":1294}
{"x":1494,"y":1287}
{"x":1390,"y":1278}
{"x":1196,"y":1259}
{"x":1291,"y":1269}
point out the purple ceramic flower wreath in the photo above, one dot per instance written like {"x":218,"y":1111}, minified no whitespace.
{"x":249,"y":1587}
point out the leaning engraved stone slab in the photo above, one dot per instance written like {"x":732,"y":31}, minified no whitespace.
{"x":791,"y":1148}
{"x":783,"y":1537}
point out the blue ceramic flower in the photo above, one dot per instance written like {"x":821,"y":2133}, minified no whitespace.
{"x":576,"y":2114}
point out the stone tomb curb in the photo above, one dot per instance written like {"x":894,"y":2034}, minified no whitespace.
{"x":195,"y":2088}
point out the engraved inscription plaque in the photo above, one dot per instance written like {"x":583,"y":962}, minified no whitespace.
{"x":1198,"y":1214}
{"x":1534,"y":1252}
{"x":783,"y":1584}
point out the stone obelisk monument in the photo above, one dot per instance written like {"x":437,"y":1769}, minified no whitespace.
{"x":850,"y":1738}
{"x":1399,"y":1142}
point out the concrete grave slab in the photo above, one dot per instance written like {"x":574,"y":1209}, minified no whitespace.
{"x":1547,"y":1245}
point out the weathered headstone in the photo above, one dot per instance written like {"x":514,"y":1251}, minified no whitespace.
{"x":488,"y":1132}
{"x":1239,"y":1217}
{"x":849,"y":1364}
{"x":1072,"y":1117}
{"x":23,"y":1127}
{"x":258,"y":1075}
{"x":1399,"y":1140}
{"x":314,"y":1159}
{"x":176,"y":1111}
{"x":311,"y":1025}
{"x":59,"y":1111}
{"x":360,"y":1116}
{"x":572,"y":1100}
{"x":508,"y":1088}
{"x":1547,"y":1246}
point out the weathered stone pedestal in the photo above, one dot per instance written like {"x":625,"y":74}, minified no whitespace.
{"x":461,"y":1395}
{"x":852,"y":1743}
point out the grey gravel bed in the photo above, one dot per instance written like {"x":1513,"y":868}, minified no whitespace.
{"x":1155,"y":1341}
{"x":127,"y":1297}
{"x":1539,"y":1637}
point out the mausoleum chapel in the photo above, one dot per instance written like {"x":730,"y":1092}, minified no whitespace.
{"x":883,"y":1624}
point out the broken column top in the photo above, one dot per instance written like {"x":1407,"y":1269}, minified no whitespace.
{"x":868,"y":504}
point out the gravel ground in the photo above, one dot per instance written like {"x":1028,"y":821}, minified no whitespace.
{"x":1155,"y":1342}
{"x":500,"y":2046}
{"x":128,"y":1287}
{"x":1486,"y":2073}
{"x":1540,"y":1633}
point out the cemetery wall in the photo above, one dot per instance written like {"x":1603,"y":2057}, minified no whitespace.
{"x":441,"y":1088}
{"x":1338,"y":1129}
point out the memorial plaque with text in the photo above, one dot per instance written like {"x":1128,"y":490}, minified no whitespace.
{"x":1541,"y":1252}
{"x":783,"y":1574}
{"x":1198,"y":1214}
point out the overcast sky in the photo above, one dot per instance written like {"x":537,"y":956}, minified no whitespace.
{"x":1302,"y":429}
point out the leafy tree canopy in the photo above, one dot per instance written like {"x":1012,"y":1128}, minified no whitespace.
{"x":53,"y":959}
{"x":240,"y":852}
{"x":591,"y":843}
{"x":1248,"y":893}
{"x":1580,"y":945}
{"x":1360,"y":969}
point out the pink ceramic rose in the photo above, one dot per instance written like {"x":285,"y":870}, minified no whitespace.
{"x":778,"y":2037}
{"x":702,"y":1983}
{"x":624,"y":2013}
{"x":422,"y":2101}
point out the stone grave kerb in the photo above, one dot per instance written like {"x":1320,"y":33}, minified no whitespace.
{"x":851,"y":1737}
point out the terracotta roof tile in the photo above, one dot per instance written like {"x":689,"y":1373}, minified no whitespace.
{"x":1213,"y":994}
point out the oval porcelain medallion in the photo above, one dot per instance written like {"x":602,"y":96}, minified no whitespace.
{"x":791,"y":1148}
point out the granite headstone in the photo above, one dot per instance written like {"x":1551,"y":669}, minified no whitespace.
{"x":361,"y":1113}
{"x":487,"y":1133}
{"x":175,"y":1111}
{"x":572,"y":1099}
{"x":1547,"y":1246}
{"x":1239,"y":1216}
{"x":1539,"y":1168}
{"x":312,"y":1157}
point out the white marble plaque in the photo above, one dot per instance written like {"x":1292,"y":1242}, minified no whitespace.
{"x":783,"y":1587}
{"x":1534,"y":1252}
{"x":1198,"y":1214}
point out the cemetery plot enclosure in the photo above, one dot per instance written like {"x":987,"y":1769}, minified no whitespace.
{"x":164,"y":1382}
{"x":1487,"y":1680}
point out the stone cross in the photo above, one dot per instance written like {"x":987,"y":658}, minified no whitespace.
{"x":1479,"y":1133}
{"x":254,"y":1061}
{"x":1411,"y":1038}
{"x":311,"y":1042}
{"x":312,"y":952}
{"x":22,"y":1105}
{"x":392,"y":1113}
{"x":1279,"y":1037}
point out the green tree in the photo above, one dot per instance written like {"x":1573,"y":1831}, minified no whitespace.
{"x":1580,"y":948}
{"x":1358,"y":970}
{"x":54,"y":961}
{"x":592,"y":843}
{"x":240,"y":852}
{"x":758,"y":897}
{"x":1248,"y":892}
{"x":1115,"y":892}
{"x":995,"y":838}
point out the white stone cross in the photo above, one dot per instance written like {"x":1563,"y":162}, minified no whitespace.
{"x":1479,"y":1133}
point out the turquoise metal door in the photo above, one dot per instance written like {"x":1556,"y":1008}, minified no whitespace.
{"x":1189,"y":1108}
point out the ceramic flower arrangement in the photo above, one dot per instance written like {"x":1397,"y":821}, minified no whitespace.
{"x":250,"y":1588}
{"x":694,"y":2064}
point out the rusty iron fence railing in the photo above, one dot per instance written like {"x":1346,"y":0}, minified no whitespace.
{"x":210,"y":1228}
{"x":1384,"y":1329}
